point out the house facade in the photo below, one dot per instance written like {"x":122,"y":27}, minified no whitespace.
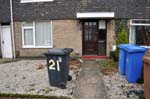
{"x":87,"y":26}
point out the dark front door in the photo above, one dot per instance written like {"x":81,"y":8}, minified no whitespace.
{"x":90,"y":37}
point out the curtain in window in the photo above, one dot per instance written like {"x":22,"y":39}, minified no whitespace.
{"x":132,"y":38}
{"x":28,"y":36}
{"x":43,"y":33}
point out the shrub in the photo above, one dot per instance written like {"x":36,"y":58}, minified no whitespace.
{"x":119,"y":24}
{"x":122,"y":38}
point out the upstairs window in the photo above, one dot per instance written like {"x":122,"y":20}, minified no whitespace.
{"x":30,"y":1}
{"x":140,"y":32}
{"x":37,"y":34}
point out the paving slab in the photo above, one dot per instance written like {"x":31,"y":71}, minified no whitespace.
{"x":89,"y":84}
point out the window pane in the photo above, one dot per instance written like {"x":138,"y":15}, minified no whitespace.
{"x":102,"y":24}
{"x":132,"y":38}
{"x":86,"y":23}
{"x":94,"y":23}
{"x":28,"y":37}
{"x":43,"y":33}
{"x":90,"y":24}
{"x":94,"y":37}
{"x":143,"y":35}
{"x":86,"y":37}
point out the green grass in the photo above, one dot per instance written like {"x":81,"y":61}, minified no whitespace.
{"x":103,"y":63}
{"x":32,"y":96}
{"x":107,"y":66}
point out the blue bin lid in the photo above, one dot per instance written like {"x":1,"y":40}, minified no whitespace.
{"x":125,"y":45}
{"x":135,"y":49}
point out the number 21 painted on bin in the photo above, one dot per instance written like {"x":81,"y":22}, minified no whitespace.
{"x":52,"y":65}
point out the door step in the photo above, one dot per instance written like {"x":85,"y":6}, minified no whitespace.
{"x":93,"y":57}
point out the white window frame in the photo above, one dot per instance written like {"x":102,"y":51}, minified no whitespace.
{"x":27,"y":1}
{"x":138,"y":24}
{"x":34,"y":45}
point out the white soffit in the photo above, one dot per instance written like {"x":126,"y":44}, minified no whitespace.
{"x":96,"y":15}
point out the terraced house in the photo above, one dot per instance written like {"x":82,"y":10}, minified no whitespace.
{"x":30,"y":27}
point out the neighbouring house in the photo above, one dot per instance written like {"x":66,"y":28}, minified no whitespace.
{"x":30,"y":27}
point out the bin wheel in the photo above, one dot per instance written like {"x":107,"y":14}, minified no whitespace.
{"x":69,"y":78}
{"x":62,"y":85}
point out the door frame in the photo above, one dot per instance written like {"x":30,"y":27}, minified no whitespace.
{"x":82,"y":22}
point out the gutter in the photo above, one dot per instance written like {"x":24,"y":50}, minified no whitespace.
{"x":12,"y":29}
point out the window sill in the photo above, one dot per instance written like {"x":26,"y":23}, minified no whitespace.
{"x":34,"y":47}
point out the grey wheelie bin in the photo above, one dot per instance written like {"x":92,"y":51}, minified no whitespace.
{"x":58,"y":66}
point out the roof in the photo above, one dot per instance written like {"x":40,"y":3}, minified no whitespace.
{"x":4,"y":11}
{"x":67,"y":9}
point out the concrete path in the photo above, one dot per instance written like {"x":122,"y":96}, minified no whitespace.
{"x":90,"y":84}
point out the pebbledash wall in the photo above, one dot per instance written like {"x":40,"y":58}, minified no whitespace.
{"x":66,"y":33}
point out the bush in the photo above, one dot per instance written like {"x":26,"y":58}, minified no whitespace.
{"x":119,"y":24}
{"x":122,"y":38}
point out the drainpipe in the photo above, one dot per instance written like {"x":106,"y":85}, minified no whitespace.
{"x":12,"y":29}
{"x":0,"y":41}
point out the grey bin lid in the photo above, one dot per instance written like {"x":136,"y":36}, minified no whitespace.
{"x":58,"y":51}
{"x":69,"y":50}
{"x":55,"y":51}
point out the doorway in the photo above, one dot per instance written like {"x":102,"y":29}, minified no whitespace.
{"x":6,"y":42}
{"x":94,"y":37}
{"x":90,"y":37}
